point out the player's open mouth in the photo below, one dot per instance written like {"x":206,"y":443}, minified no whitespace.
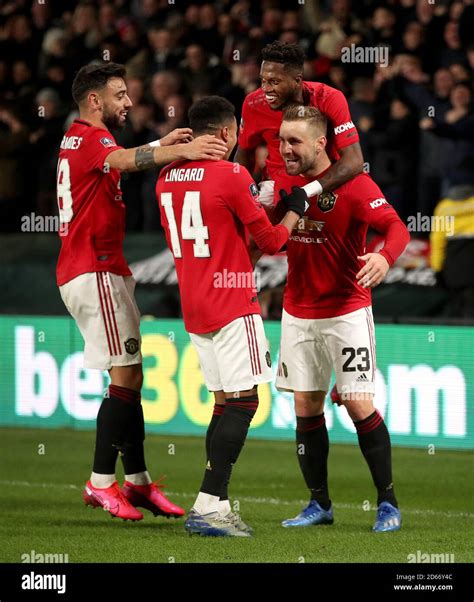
{"x":271,"y":99}
{"x":123,"y":115}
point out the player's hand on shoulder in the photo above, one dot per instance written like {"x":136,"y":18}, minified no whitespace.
{"x":374,"y":270}
{"x":296,"y":201}
{"x":177,"y":136}
{"x":204,"y":148}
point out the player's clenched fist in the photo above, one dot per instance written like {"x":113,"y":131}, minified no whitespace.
{"x":374,"y":270}
{"x":297,"y":201}
{"x":205,"y":147}
{"x":177,"y":136}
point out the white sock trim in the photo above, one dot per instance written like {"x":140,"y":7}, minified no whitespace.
{"x":102,"y":481}
{"x":139,"y":478}
{"x":206,"y":503}
{"x":224,"y":507}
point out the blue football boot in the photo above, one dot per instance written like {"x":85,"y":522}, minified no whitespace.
{"x":388,"y":518}
{"x":313,"y":514}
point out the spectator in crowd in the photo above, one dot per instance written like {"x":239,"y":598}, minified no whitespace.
{"x":429,"y":100}
{"x":393,"y":155}
{"x":452,"y":52}
{"x":457,"y":127}
{"x":163,"y":85}
{"x":46,"y":136}
{"x":14,"y":148}
{"x":383,"y":30}
{"x":207,"y":32}
{"x":362,"y":109}
{"x":161,"y":54}
{"x":131,"y":38}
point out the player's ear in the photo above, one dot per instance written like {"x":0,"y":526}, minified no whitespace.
{"x":225,"y":133}
{"x":94,"y":100}
{"x":321,"y":143}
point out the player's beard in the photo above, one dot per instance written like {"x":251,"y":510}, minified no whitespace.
{"x":286,"y":101}
{"x":304,"y":164}
{"x":112,"y":120}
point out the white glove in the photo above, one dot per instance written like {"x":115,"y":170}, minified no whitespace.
{"x":267,"y":192}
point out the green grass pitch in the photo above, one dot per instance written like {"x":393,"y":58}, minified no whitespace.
{"x":42,"y":508}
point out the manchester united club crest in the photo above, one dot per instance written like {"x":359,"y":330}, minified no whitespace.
{"x":131,"y":346}
{"x":326,"y":201}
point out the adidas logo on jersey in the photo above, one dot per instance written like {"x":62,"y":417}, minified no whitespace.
{"x":362,"y":378}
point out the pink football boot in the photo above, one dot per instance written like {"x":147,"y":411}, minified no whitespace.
{"x":112,"y":500}
{"x":151,"y":498}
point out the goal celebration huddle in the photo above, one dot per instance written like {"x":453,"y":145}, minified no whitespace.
{"x":314,"y":202}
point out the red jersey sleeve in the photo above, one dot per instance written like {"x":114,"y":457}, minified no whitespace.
{"x":372,"y":208}
{"x":100,"y":143}
{"x":268,"y":238}
{"x":334,"y":106}
{"x":244,"y":201}
{"x":249,"y":135}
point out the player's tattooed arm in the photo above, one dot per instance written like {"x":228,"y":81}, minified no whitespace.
{"x":144,"y":158}
{"x":347,"y":167}
{"x":203,"y":148}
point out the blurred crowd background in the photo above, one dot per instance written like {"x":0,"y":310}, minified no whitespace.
{"x":414,"y":114}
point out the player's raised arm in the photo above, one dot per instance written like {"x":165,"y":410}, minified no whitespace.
{"x":351,"y":161}
{"x":349,"y":165}
{"x":150,"y":155}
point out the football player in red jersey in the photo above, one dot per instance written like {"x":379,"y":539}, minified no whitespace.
{"x":327,"y":318}
{"x":95,"y":281}
{"x":282,"y":84}
{"x":207,"y":208}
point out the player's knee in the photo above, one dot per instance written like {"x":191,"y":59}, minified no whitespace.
{"x":309,"y":403}
{"x":359,"y":407}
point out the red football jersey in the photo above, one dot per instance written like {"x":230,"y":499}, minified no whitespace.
{"x":204,"y":208}
{"x":323,"y":248}
{"x":91,"y":209}
{"x":261,"y":125}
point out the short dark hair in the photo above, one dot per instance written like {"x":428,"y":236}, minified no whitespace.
{"x":210,"y":113}
{"x":290,"y":55}
{"x":306,"y":113}
{"x":94,"y":76}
